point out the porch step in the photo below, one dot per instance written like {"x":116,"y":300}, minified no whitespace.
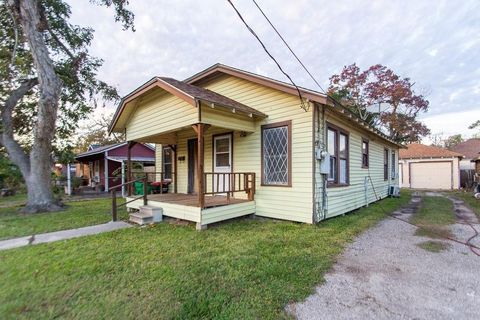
{"x":141,"y":218}
{"x":147,"y":214}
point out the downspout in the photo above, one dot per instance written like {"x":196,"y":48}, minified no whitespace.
{"x":314,"y":165}
{"x":105,"y":167}
{"x":320,"y":179}
{"x":324,"y":189}
{"x":123,"y":179}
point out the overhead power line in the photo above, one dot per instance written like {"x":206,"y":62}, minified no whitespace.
{"x":270,"y":55}
{"x":329,"y":96}
{"x":289,"y":48}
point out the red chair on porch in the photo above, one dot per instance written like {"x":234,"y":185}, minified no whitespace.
{"x":161,"y":184}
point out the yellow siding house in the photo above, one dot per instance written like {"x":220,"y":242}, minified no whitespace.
{"x":232,"y":143}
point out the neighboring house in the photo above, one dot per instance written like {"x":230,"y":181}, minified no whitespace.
{"x":429,"y":167}
{"x":476,"y":162}
{"x":237,"y":143}
{"x":471,"y":150}
{"x":102,"y":165}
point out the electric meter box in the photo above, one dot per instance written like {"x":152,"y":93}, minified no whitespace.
{"x":325,"y":164}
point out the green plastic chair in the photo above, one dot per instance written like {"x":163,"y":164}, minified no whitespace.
{"x":139,"y":188}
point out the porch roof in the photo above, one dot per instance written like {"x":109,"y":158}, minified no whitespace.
{"x":134,"y":159}
{"x":99,"y":150}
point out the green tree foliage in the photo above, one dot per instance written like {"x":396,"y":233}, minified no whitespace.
{"x":48,"y":82}
{"x":453,"y":140}
{"x":10,"y":175}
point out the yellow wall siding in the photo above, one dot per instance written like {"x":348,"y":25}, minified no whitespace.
{"x":344,"y":199}
{"x":159,"y":112}
{"x":290,"y":203}
{"x":226,"y":119}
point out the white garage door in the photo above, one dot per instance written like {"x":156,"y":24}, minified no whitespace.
{"x":431,"y":175}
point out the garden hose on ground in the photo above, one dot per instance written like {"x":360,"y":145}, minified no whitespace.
{"x":467,"y":243}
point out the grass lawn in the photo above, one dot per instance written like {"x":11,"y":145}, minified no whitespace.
{"x":469,"y":200}
{"x":243,"y":269}
{"x":77,"y":214}
{"x":434,"y":246}
{"x":434,"y":216}
{"x":15,"y":200}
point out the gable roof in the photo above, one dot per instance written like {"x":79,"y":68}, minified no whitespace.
{"x":469,"y":148}
{"x":191,"y":91}
{"x":312,"y":95}
{"x":218,"y":68}
{"x":187,"y":92}
{"x":211,"y":97}
{"x":417,"y":150}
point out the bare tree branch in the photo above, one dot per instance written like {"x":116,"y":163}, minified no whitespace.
{"x":16,"y":152}
{"x":15,"y":30}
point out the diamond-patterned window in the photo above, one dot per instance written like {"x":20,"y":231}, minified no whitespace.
{"x":276,"y":154}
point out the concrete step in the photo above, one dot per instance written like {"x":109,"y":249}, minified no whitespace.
{"x":155,"y":212}
{"x":141,"y":218}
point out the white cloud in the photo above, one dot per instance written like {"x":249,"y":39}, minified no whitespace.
{"x":451,"y":123}
{"x":434,"y":42}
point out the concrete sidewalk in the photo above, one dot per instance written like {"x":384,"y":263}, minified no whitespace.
{"x":62,"y":235}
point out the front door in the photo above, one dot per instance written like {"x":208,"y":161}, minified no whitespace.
{"x":192,"y":166}
{"x":222,"y":161}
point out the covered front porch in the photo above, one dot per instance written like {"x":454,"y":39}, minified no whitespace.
{"x":193,"y":194}
{"x":194,"y":130}
{"x":185,"y":207}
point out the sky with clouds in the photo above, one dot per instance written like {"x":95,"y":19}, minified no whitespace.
{"x":435,"y":43}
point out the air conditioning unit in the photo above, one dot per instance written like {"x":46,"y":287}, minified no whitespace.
{"x":394,"y":191}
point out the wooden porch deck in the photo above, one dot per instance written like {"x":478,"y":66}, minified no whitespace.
{"x":191,"y":200}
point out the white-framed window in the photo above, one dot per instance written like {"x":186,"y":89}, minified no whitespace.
{"x":393,"y":166}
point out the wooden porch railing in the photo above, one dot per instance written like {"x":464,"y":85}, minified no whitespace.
{"x":215,"y":183}
{"x":113,"y":191}
{"x":229,"y":182}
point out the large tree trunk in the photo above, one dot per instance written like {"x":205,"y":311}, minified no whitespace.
{"x":37,"y":172}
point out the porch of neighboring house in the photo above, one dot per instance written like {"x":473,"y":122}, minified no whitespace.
{"x":187,"y":191}
{"x":99,"y":173}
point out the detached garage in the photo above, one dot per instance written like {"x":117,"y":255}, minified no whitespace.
{"x":428,"y":167}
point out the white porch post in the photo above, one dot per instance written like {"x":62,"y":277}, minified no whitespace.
{"x":105,"y":168}
{"x":69,"y":180}
{"x":123,"y":178}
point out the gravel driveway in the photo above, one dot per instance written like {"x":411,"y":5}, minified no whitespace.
{"x":385,"y":275}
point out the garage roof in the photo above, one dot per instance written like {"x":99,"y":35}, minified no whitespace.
{"x":418,"y":150}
